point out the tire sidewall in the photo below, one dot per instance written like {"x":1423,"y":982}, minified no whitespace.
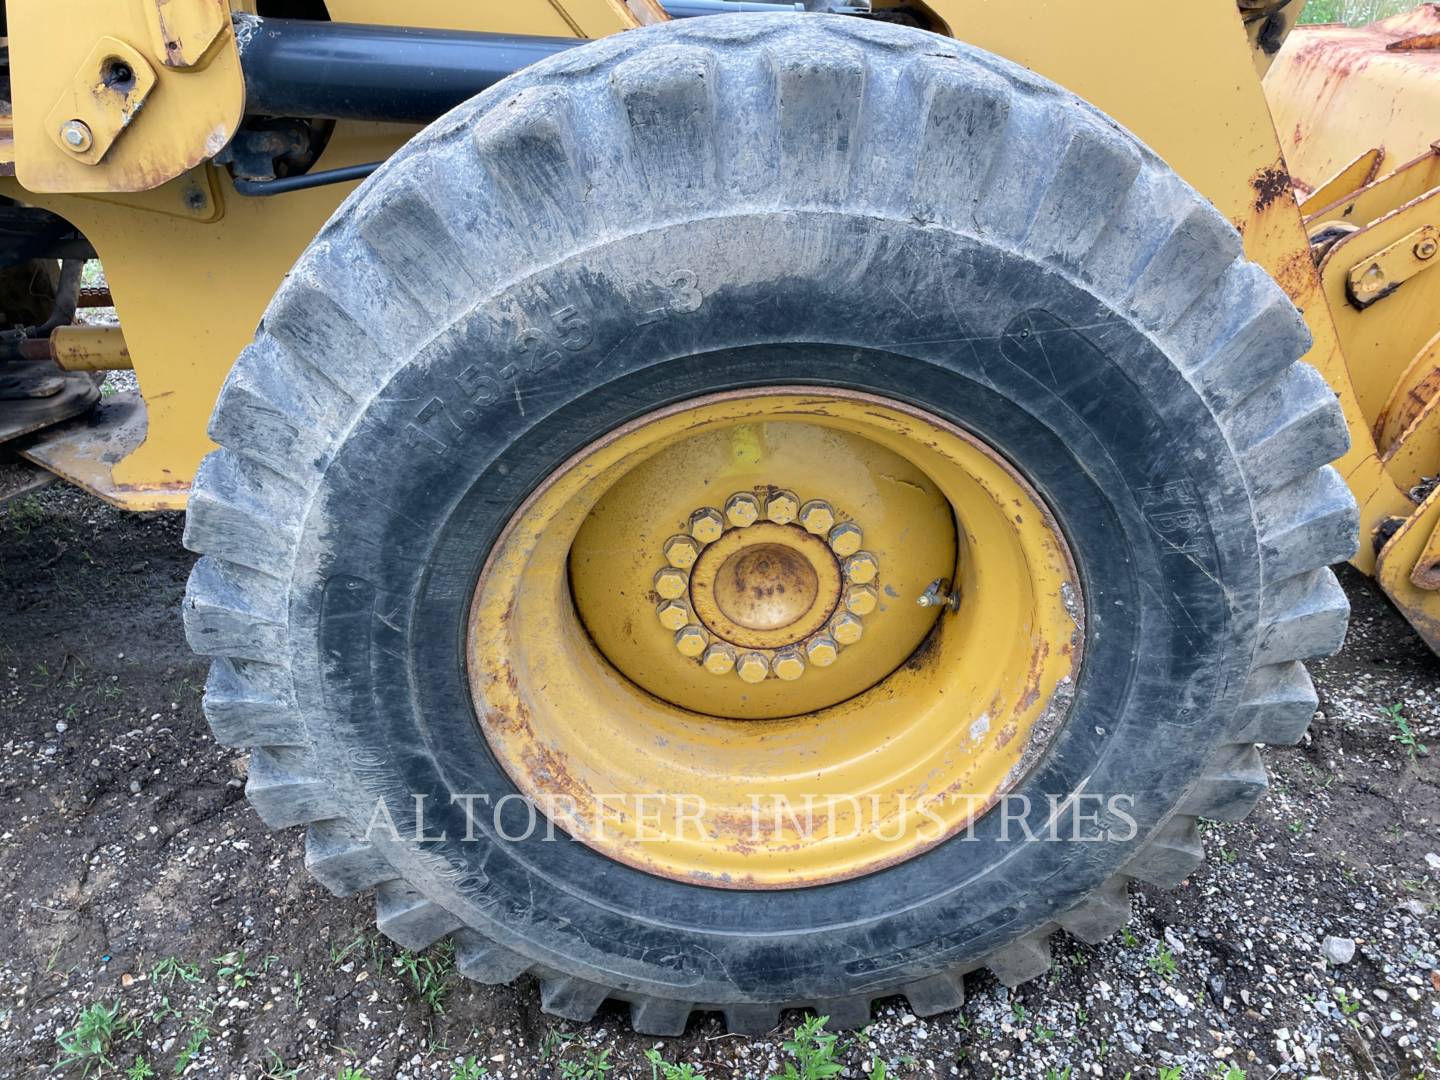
{"x":1127,"y":455}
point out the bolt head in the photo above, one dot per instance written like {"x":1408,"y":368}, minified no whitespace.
{"x":706,"y":524}
{"x":681,"y":552}
{"x":782,"y":507}
{"x":817,"y":516}
{"x":861,"y":599}
{"x":742,"y":509}
{"x":789,"y":664}
{"x":76,"y":135}
{"x":846,"y":628}
{"x":822,"y":650}
{"x":671,"y":583}
{"x":845,"y":539}
{"x":718,"y":659}
{"x":691,"y":640}
{"x":1426,"y":249}
{"x":753,"y":667}
{"x":1372,"y":280}
{"x":673,"y":614}
{"x":861,"y":568}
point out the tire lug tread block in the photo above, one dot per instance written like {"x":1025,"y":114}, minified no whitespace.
{"x":404,"y":916}
{"x":751,"y":1019}
{"x":1278,"y":705}
{"x":660,"y":1016}
{"x":342,"y":861}
{"x":244,"y":708}
{"x":485,"y":961}
{"x":937,"y":994}
{"x":845,"y":1014}
{"x":1231,"y":785}
{"x":570,"y":998}
{"x":1023,"y":959}
{"x":1171,"y":855}
{"x":1102,"y":914}
{"x":1305,"y":617}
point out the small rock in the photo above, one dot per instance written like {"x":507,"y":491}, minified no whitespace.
{"x":1173,"y":940}
{"x":1338,"y":950}
{"x":134,"y":787}
{"x":1414,"y":907}
{"x":1215,"y":987}
{"x":1432,"y":860}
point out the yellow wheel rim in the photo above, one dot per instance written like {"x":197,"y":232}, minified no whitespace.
{"x":775,"y":637}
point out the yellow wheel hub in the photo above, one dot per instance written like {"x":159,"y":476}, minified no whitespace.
{"x":775,"y":637}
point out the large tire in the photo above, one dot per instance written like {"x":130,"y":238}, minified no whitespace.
{"x":908,"y":216}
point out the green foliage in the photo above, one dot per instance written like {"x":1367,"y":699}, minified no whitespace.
{"x":660,"y":1069}
{"x":231,"y":968}
{"x":87,"y":1045}
{"x":1352,"y":12}
{"x":813,"y":1049}
{"x":1162,"y":962}
{"x":469,"y":1069}
{"x":593,"y":1065}
{"x":171,"y":968}
{"x":429,"y":974}
{"x":1403,"y":733}
{"x":139,"y":1070}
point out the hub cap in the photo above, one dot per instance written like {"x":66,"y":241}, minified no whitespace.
{"x":709,"y":645}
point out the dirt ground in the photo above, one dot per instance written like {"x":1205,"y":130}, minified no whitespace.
{"x":133,"y":877}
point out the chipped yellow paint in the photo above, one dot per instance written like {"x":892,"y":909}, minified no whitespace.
{"x":895,"y":747}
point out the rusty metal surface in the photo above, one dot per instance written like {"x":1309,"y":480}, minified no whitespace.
{"x":1337,"y":91}
{"x":86,"y":450}
{"x":1402,"y":558}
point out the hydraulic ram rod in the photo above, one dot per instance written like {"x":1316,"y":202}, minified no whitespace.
{"x":400,"y":74}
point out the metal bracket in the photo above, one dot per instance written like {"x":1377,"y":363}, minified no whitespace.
{"x":1377,"y":277}
{"x":103,"y":97}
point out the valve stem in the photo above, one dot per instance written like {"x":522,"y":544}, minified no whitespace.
{"x":938,"y":594}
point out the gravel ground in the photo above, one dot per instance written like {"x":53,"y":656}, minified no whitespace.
{"x":134,"y":877}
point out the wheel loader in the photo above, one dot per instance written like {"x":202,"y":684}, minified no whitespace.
{"x":737,"y":506}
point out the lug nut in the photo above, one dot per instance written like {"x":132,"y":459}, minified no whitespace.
{"x":822,"y":650}
{"x":845,"y":539}
{"x":789,"y":664}
{"x":670,"y":583}
{"x":691,"y":640}
{"x":846,"y":628}
{"x":75,"y":134}
{"x":681,"y":552}
{"x":753,"y":667}
{"x":718,"y":659}
{"x":742,"y":509}
{"x":782,"y":507}
{"x":861,"y":568}
{"x":860,"y":599}
{"x":673,"y":614}
{"x":707,"y":524}
{"x":817,"y":516}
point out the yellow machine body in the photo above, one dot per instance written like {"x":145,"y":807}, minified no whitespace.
{"x":191,"y":263}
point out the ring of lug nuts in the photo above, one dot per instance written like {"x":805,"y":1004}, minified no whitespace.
{"x":860,"y":570}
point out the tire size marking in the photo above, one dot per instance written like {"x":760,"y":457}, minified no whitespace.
{"x":1173,"y":511}
{"x":677,"y":293}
